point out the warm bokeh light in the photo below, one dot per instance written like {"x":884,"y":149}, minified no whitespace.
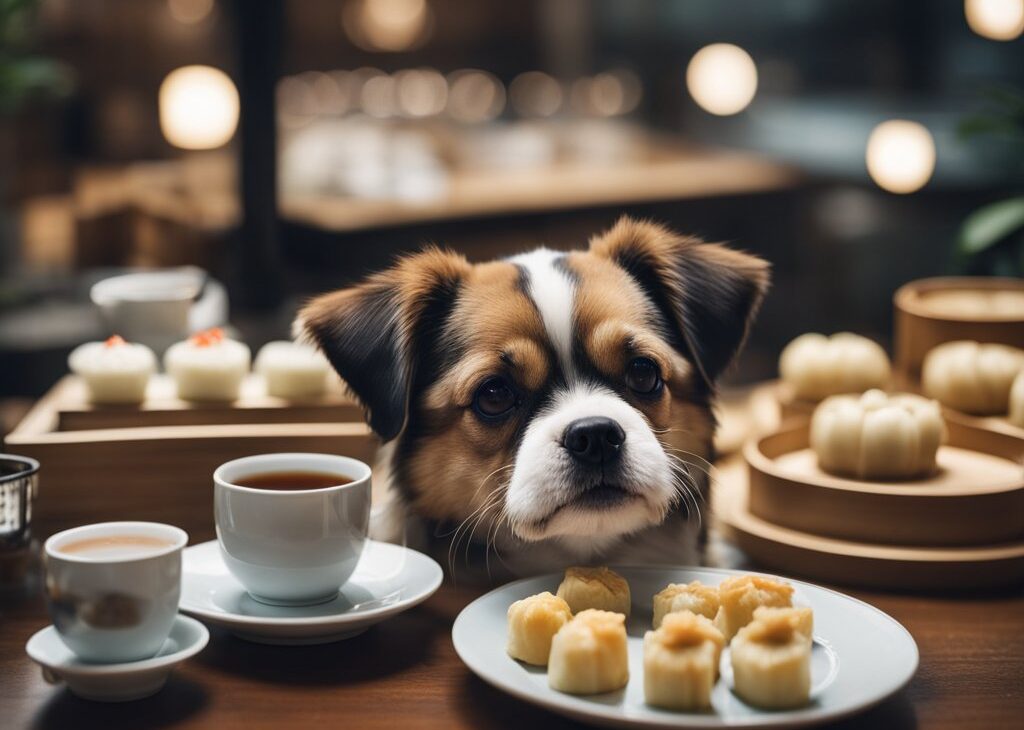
{"x":999,"y":20}
{"x":474,"y":96}
{"x":328,"y":96}
{"x":631,"y":86}
{"x":190,"y":12}
{"x":607,"y":94}
{"x":901,"y":155}
{"x":378,"y":96}
{"x":198,"y":108}
{"x":421,"y":92}
{"x":535,"y":94}
{"x":387,"y":25}
{"x":722,"y":78}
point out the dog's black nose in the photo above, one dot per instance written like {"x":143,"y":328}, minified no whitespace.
{"x":594,"y":440}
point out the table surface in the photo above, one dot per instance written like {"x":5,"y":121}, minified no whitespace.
{"x":404,"y":673}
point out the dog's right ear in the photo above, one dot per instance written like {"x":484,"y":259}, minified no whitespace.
{"x":371,"y":333}
{"x":707,"y":294}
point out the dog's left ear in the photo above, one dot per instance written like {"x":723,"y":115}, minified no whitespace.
{"x":375,"y":333}
{"x":708,"y":294}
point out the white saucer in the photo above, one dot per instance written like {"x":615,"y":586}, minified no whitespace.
{"x":116,"y":682}
{"x":389,"y":579}
{"x":860,"y":656}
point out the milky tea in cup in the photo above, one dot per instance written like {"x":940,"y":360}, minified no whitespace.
{"x":291,"y":527}
{"x":112,"y":588}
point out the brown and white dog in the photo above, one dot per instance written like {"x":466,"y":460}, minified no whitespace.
{"x":554,"y":406}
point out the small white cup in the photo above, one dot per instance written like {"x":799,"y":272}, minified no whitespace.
{"x":150,"y":307}
{"x":292,"y":547}
{"x":114,"y":609}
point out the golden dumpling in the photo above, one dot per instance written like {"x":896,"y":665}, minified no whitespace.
{"x":599,"y":588}
{"x":877,"y":436}
{"x":681,"y":662}
{"x":588,"y":654}
{"x":816,"y":366}
{"x":971,"y":377}
{"x":742,"y":595}
{"x":695,"y":597}
{"x":802,"y":616}
{"x":532,"y":623}
{"x":771,"y":660}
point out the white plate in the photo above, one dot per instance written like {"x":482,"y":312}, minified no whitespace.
{"x":860,"y":657}
{"x":119,"y":682}
{"x":388,"y":580}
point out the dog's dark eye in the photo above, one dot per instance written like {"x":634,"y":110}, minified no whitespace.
{"x":642,"y":376}
{"x":494,"y":398}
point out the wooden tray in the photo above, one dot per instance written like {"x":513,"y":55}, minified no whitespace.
{"x":790,"y":407}
{"x":743,"y":412}
{"x":162,"y":407}
{"x":856,"y":563}
{"x":995,"y":424}
{"x":159,"y":472}
{"x":919,"y":328}
{"x":976,"y":497}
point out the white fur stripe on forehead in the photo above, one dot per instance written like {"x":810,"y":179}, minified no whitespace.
{"x":552,"y":291}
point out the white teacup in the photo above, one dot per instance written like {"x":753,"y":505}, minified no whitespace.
{"x":112,"y":588}
{"x":150,"y":307}
{"x":292,"y":547}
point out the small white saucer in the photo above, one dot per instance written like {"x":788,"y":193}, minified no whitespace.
{"x":116,"y":682}
{"x":389,"y":579}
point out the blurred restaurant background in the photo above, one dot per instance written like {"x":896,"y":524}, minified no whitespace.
{"x":279,"y":148}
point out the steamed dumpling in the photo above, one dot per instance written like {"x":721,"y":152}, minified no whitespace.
{"x":816,"y":366}
{"x":801,"y":616}
{"x":695,"y":597}
{"x":292,"y":370}
{"x":208,"y":366}
{"x":114,"y":371}
{"x":588,"y":654}
{"x":771,"y":659}
{"x":532,"y":623}
{"x":742,"y":595}
{"x":874,"y":435}
{"x":681,"y":662}
{"x":599,"y":588}
{"x":971,"y":377}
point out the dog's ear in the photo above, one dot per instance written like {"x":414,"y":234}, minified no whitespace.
{"x":708,"y":294}
{"x":372,"y":333}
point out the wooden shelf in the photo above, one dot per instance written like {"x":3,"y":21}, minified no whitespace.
{"x":665,"y":174}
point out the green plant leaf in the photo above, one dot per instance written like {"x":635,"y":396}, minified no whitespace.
{"x":980,"y":124}
{"x":991,"y":224}
{"x":24,"y":77}
{"x":1009,"y":98}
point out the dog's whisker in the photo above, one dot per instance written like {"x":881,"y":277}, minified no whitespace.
{"x":687,"y":486}
{"x":681,"y":469}
{"x":700,"y":459}
{"x":492,"y":541}
{"x":495,"y":499}
{"x":488,"y":477}
{"x":476,"y":524}
{"x":460,"y":531}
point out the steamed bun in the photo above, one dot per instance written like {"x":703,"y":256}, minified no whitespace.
{"x":970,"y":376}
{"x":816,"y":366}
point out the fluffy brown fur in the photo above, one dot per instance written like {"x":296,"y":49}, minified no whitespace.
{"x":416,"y":341}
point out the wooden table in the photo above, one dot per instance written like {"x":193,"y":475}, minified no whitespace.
{"x":404,"y":674}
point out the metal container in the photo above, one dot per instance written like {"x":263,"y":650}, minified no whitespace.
{"x":19,"y":479}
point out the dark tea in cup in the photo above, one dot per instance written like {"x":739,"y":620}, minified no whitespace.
{"x":292,"y":480}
